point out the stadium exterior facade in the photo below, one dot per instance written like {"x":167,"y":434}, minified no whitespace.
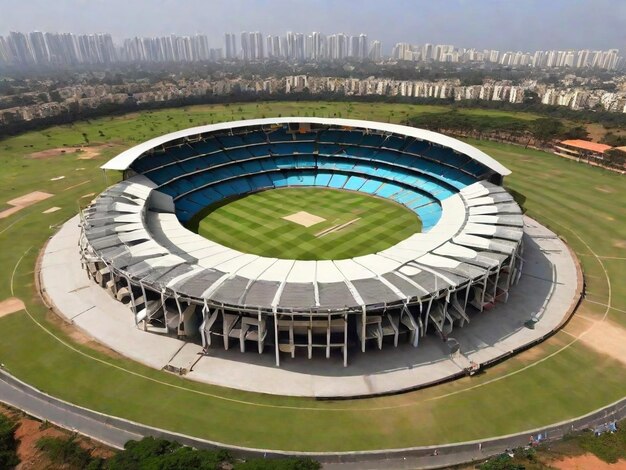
{"x":176,"y":282}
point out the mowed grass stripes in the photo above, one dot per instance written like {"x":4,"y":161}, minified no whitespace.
{"x":255,"y":224}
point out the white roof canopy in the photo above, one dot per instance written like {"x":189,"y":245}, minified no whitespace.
{"x":127,"y":157}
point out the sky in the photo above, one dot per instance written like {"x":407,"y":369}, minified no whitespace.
{"x":525,"y":25}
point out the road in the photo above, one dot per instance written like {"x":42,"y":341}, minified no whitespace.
{"x":66,"y":418}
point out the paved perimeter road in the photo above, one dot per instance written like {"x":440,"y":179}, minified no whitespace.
{"x":115,"y":432}
{"x":69,"y":419}
{"x":43,"y":407}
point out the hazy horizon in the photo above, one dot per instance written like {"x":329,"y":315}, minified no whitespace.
{"x":525,"y":25}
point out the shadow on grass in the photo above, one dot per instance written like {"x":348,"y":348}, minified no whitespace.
{"x":519,"y":198}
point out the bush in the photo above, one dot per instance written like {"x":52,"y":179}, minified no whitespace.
{"x":65,"y":451}
{"x":8,"y":443}
{"x":501,"y":462}
{"x":153,"y":453}
{"x":609,"y":447}
{"x":279,"y":464}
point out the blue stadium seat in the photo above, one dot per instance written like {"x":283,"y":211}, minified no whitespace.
{"x":475,"y":168}
{"x":294,"y":179}
{"x":419,"y":200}
{"x":354,"y":183}
{"x":268,"y":164}
{"x":209,"y":145}
{"x":209,"y":194}
{"x":371,"y":140}
{"x":387,"y":190}
{"x":285,"y":148}
{"x":304,"y":147}
{"x":417,"y":147}
{"x":330,"y":136}
{"x":404,"y":197}
{"x":305,"y":161}
{"x":180,"y":152}
{"x":254,"y":138}
{"x":300,"y":178}
{"x":191,"y":165}
{"x":163,"y":175}
{"x":189,"y":206}
{"x":261,"y":181}
{"x":259,"y":150}
{"x":370,"y":186}
{"x":361,"y":152}
{"x":230,"y":141}
{"x":239,"y":154}
{"x":280,"y":135}
{"x":430,"y":215}
{"x":386,"y":156}
{"x":345,"y":166}
{"x":326,"y":164}
{"x":199,"y":198}
{"x":329,"y":149}
{"x":311,"y":136}
{"x":445,"y":155}
{"x":337,"y":181}
{"x":151,"y":161}
{"x":322,"y":179}
{"x":226,"y":189}
{"x":279,"y":180}
{"x":251,"y":166}
{"x":349,"y":137}
{"x":241,"y":185}
{"x":286,"y":161}
{"x":393,"y":142}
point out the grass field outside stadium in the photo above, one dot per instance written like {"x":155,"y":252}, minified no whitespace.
{"x":328,"y":223}
{"x":563,"y":377}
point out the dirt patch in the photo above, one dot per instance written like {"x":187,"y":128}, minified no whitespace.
{"x":87,"y":153}
{"x":577,"y":325}
{"x":83,"y":153}
{"x":620,"y":244}
{"x":304,"y":218}
{"x":21,"y":202}
{"x":607,"y":337}
{"x":10,"y":305}
{"x":587,"y":462}
{"x":51,"y":210}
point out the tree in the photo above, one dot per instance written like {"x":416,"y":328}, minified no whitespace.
{"x":547,"y":129}
{"x":154,"y":453}
{"x":8,"y":443}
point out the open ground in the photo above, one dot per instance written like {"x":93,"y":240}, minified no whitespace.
{"x":561,"y":378}
{"x":352,"y":224}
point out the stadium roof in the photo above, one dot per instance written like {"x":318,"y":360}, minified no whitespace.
{"x":126,"y":158}
{"x":586,"y":145}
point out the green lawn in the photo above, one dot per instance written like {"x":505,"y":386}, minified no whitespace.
{"x":255,"y":224}
{"x":583,"y":204}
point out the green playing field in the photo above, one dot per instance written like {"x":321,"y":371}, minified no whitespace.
{"x":307,"y":223}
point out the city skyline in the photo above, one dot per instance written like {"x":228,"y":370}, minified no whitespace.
{"x":55,"y":49}
{"x":527,"y":25}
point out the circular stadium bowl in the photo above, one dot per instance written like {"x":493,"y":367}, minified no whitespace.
{"x":466,"y":258}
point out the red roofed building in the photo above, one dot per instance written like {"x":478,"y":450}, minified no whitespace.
{"x":584,"y":149}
